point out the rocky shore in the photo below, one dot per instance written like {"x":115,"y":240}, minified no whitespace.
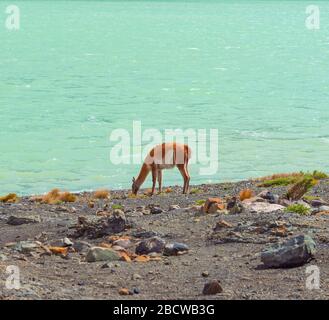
{"x":222,"y":241}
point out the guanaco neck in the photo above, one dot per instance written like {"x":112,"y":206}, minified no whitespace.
{"x":142,"y":174}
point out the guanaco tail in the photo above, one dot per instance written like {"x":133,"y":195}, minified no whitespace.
{"x":164,"y":156}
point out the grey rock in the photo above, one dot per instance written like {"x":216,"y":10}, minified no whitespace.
{"x":27,"y":246}
{"x":19,"y":220}
{"x":123,"y":243}
{"x":81,"y":246}
{"x":102,"y":254}
{"x":294,"y":252}
{"x":107,"y":265}
{"x":154,"y":244}
{"x":205,"y":274}
{"x":143,"y":234}
{"x":234,"y":206}
{"x":172,"y":249}
{"x":3,"y":257}
{"x":66,"y":242}
{"x":318,"y":203}
{"x":262,"y":207}
{"x":156,"y":210}
{"x":323,"y":208}
{"x":117,"y":222}
{"x":174,"y":207}
{"x":136,"y":276}
{"x":136,"y":290}
{"x":269,"y":196}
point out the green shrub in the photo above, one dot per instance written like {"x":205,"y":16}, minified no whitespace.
{"x":298,"y":208}
{"x":310,"y":198}
{"x":117,"y":206}
{"x":285,"y":179}
{"x":319,"y":175}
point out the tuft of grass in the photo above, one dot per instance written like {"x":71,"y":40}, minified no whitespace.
{"x":117,"y":206}
{"x":319,"y":175}
{"x":200,"y":202}
{"x":298,"y":208}
{"x":9,"y":198}
{"x":102,"y":194}
{"x":310,"y":198}
{"x":67,"y":197}
{"x":245,"y":194}
{"x":285,"y":179}
{"x":55,"y":196}
{"x":195,"y":191}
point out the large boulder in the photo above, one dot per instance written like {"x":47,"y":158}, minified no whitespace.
{"x":97,"y":228}
{"x":292,"y":253}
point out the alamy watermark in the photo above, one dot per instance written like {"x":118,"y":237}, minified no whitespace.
{"x":13,"y":17}
{"x":204,"y":144}
{"x":13,"y":278}
{"x":312,"y":21}
{"x":313,"y":277}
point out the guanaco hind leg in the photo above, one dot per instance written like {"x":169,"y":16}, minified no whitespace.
{"x":160,"y":180}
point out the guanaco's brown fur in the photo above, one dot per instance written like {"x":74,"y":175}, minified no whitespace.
{"x":164,"y":156}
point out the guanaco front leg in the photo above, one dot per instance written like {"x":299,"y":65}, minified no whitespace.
{"x":182,"y":169}
{"x":154,"y":179}
{"x":187,"y":187}
{"x":160,"y":180}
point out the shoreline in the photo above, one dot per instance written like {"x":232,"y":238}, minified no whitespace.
{"x":29,"y":230}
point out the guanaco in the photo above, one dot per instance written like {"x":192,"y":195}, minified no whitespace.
{"x":164,"y":156}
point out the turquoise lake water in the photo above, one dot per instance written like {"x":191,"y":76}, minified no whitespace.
{"x":76,"y":70}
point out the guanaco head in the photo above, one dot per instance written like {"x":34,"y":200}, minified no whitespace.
{"x":134,"y":187}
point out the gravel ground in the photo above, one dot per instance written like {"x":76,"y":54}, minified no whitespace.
{"x":236,"y":263}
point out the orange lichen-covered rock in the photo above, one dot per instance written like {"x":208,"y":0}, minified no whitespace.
{"x":58,"y":250}
{"x":142,"y":258}
{"x":124,"y":292}
{"x":124,"y":256}
{"x":213,"y":204}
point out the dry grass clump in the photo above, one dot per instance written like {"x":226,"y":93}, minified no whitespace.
{"x":302,"y":186}
{"x":280,"y":175}
{"x":245,"y":194}
{"x":9,"y":198}
{"x":102,"y":194}
{"x":55,"y":196}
